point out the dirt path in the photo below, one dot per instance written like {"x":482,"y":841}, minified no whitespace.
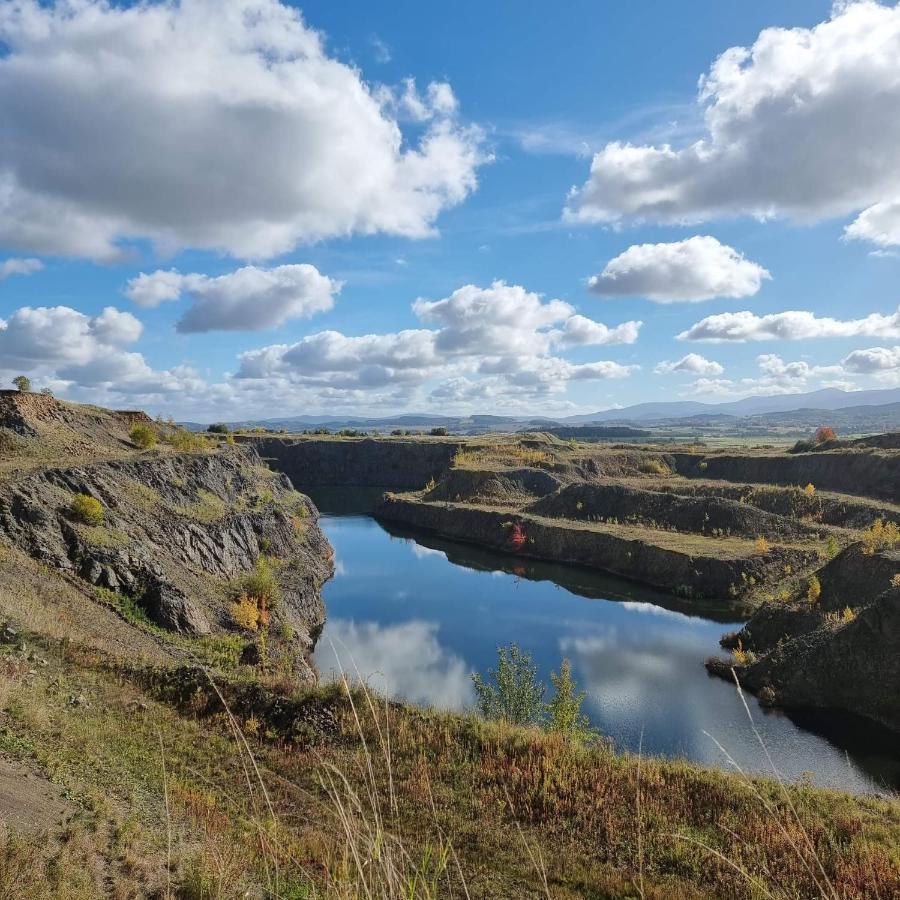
{"x":29,"y":802}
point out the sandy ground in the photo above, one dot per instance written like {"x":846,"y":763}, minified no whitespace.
{"x":29,"y":802}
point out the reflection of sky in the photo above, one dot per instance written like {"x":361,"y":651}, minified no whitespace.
{"x":418,"y":623}
{"x":404,"y":660}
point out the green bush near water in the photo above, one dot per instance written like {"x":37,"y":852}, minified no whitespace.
{"x":512,"y":693}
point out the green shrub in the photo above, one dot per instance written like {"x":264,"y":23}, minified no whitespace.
{"x":218,"y":428}
{"x":564,"y":710}
{"x":87,"y":509}
{"x":512,"y":692}
{"x":182,"y":440}
{"x":813,"y":590}
{"x":260,"y":584}
{"x":439,"y":432}
{"x":144,"y":436}
{"x":22,"y":383}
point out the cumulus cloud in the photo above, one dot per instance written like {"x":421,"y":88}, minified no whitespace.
{"x":873,"y":360}
{"x":775,"y":377}
{"x":793,"y":325}
{"x":158,"y":287}
{"x":580,"y":331}
{"x":804,"y":124}
{"x":15,"y":266}
{"x":692,"y":364}
{"x":249,"y":299}
{"x":72,"y":350}
{"x":220,"y":126}
{"x":699,"y":268}
{"x":486,"y":340}
{"x":879,"y":224}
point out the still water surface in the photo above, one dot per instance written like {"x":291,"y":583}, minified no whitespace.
{"x":416,"y":615}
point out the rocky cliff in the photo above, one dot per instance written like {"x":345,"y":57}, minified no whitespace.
{"x":670,"y":561}
{"x":866,"y":472}
{"x":394,"y":463}
{"x":178,"y":532}
{"x":836,"y":652}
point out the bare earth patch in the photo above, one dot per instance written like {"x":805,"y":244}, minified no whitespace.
{"x":28,"y":802}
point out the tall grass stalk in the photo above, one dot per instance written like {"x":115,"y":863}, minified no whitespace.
{"x":824,"y":886}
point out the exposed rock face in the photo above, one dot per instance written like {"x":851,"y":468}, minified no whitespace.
{"x":177,"y":529}
{"x":696,"y":514}
{"x":329,"y":462}
{"x":666,"y":567}
{"x":811,"y":655}
{"x":489,"y":487}
{"x":868,"y":472}
{"x":47,"y":427}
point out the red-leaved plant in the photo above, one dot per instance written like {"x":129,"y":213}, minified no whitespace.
{"x":517,"y":536}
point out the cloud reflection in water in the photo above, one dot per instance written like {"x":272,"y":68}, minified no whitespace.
{"x":402,"y":660}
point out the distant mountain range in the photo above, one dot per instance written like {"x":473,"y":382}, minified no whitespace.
{"x":827,"y":398}
{"x":850,"y":408}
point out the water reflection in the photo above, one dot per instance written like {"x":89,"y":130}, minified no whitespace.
{"x":404,"y":660}
{"x":420,"y":615}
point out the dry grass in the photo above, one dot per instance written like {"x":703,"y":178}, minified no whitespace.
{"x":206,"y":508}
{"x":491,"y":455}
{"x":394,"y":802}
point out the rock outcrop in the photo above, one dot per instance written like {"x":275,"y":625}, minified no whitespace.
{"x":178,"y":530}
{"x":661,"y":559}
{"x":837,"y":653}
{"x":395,"y":463}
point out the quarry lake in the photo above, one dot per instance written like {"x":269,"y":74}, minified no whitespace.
{"x":415,"y":615}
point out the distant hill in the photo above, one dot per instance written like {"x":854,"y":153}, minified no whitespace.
{"x":595,"y":432}
{"x":827,"y":398}
{"x":877,"y":410}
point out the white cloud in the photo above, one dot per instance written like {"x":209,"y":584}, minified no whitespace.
{"x":580,"y":331}
{"x":85,"y":356}
{"x":699,"y":268}
{"x":794,"y":325}
{"x":504,"y":333}
{"x":249,"y":299}
{"x":692,"y":363}
{"x":15,"y":266}
{"x":804,"y":124}
{"x":775,"y":377}
{"x":220,"y":126}
{"x":873,"y":360}
{"x":158,"y":287}
{"x":380,"y":50}
{"x":879,"y":224}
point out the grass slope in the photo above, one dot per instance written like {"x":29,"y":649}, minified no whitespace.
{"x":190,"y":790}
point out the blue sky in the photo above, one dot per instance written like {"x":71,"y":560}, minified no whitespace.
{"x":181,"y":152}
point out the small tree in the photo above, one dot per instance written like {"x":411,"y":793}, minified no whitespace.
{"x":22,"y":383}
{"x":47,"y":392}
{"x":813,"y":590}
{"x":440,"y":431}
{"x":564,"y":710}
{"x":512,"y":692}
{"x":143,"y":436}
{"x":218,"y":428}
{"x":824,"y":433}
